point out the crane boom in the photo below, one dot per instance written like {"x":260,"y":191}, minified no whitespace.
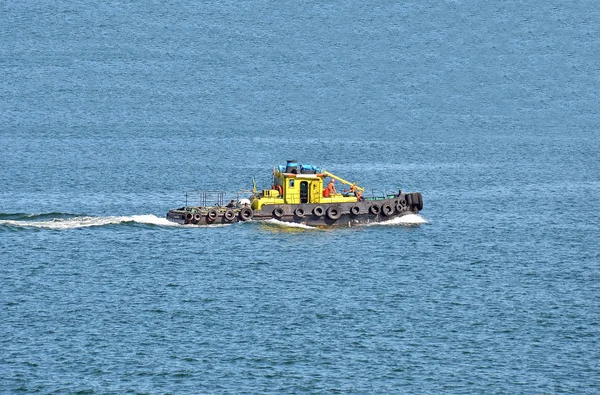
{"x":343,"y":181}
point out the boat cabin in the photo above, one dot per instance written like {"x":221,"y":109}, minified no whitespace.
{"x":300,"y":184}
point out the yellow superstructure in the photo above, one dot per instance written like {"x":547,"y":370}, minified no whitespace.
{"x":300,"y":189}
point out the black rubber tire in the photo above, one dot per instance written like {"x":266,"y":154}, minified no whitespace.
{"x":354,"y":210}
{"x":197,"y":217}
{"x":212,"y":214}
{"x":229,"y":215}
{"x":420,"y":201}
{"x":409,"y":199}
{"x":375,"y":209}
{"x":189,"y":216}
{"x":278,"y":212}
{"x":246,"y":214}
{"x":400,"y":208}
{"x":318,"y":211}
{"x":387,"y":209}
{"x":299,"y":212}
{"x":334,"y":213}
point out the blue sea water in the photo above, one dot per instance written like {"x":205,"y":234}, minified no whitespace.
{"x":110,"y":111}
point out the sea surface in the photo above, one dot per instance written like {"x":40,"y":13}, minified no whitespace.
{"x":110,"y":111}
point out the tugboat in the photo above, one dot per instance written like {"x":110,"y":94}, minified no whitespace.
{"x":298,"y":195}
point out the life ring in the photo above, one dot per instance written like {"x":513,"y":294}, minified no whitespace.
{"x":189,"y":216}
{"x":333,"y":213}
{"x":375,"y":209}
{"x":318,"y":211}
{"x":212,"y":214}
{"x":387,"y":209}
{"x":246,"y":213}
{"x":278,"y":212}
{"x":229,"y":215}
{"x":197,"y":216}
{"x":299,"y":212}
{"x":354,"y":210}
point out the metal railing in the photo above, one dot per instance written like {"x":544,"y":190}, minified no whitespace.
{"x":204,"y":198}
{"x":212,"y":198}
{"x":380,"y":194}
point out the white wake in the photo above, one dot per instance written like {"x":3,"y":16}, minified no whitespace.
{"x":88,"y":221}
{"x":409,"y":219}
{"x":150,"y":219}
{"x":283,"y":224}
{"x":406,"y":220}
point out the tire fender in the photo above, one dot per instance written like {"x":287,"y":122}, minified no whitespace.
{"x":229,"y":215}
{"x":246,"y":213}
{"x":333,"y":213}
{"x":387,"y":209}
{"x":299,"y":212}
{"x":212,"y":214}
{"x":278,"y":212}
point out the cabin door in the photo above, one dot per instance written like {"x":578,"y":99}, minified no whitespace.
{"x":304,"y":192}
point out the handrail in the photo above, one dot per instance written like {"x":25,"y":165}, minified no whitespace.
{"x":211,"y":198}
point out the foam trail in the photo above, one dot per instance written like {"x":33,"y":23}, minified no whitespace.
{"x":151,"y":220}
{"x":88,"y":221}
{"x":407,"y":220}
{"x":283,"y":224}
